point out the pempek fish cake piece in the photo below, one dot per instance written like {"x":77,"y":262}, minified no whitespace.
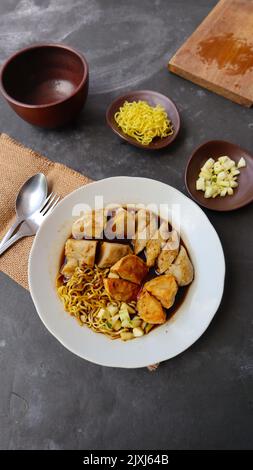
{"x":150,"y":309}
{"x":131,"y":268}
{"x":78,"y":253}
{"x":121,"y":290}
{"x":182,"y":268}
{"x":110,"y":253}
{"x":164,"y":288}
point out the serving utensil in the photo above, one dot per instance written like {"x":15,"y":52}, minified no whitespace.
{"x":31,"y":224}
{"x":31,"y":197}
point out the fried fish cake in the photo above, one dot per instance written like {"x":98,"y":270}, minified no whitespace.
{"x":182,"y":268}
{"x":78,"y":253}
{"x":110,"y":253}
{"x":150,"y":309}
{"x":131,"y":268}
{"x":121,"y":290}
{"x":164,"y":288}
{"x":168,"y":253}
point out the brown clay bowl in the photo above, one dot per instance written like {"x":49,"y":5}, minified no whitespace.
{"x":153,"y":98}
{"x":46,"y":84}
{"x":243,"y":194}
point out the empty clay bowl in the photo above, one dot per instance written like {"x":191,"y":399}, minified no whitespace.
{"x":243,"y":194}
{"x":152,"y":98}
{"x":46,"y":84}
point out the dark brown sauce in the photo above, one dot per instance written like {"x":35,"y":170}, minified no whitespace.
{"x":181,"y":293}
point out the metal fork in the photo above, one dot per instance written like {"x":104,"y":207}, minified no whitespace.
{"x":32,"y":224}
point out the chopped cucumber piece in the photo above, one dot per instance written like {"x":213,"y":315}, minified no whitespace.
{"x":131,"y":309}
{"x":126,"y":324}
{"x":221,"y":175}
{"x":101,"y":313}
{"x":112,"y":309}
{"x":137,"y":332}
{"x":200,"y":184}
{"x":218,"y":178}
{"x":124,"y":315}
{"x":115,"y":318}
{"x":209,"y":163}
{"x":125,"y":336}
{"x":117,"y":325}
{"x":223,"y":192}
{"x":241,"y":163}
{"x":136,"y":322}
{"x":148,"y":327}
{"x":208,"y":192}
{"x":230,"y":191}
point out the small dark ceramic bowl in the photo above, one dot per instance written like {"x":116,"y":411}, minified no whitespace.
{"x":243,"y":194}
{"x":46,"y":84}
{"x":153,"y":98}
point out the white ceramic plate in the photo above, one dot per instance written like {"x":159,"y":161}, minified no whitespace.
{"x":191,"y":319}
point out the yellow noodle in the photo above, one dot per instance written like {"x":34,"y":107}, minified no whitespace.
{"x":143,"y":122}
{"x":84,"y":295}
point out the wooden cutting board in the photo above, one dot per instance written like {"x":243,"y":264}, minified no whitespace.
{"x":219,"y":54}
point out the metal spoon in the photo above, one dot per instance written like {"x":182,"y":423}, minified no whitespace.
{"x":30,"y":198}
{"x":31,"y":225}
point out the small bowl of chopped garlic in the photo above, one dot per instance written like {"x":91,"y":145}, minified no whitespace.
{"x":219,"y":176}
{"x":144,"y":118}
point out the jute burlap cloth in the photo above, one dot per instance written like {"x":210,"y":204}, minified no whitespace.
{"x":17,"y":164}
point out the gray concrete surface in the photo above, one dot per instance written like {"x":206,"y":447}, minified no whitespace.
{"x":50,"y":399}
